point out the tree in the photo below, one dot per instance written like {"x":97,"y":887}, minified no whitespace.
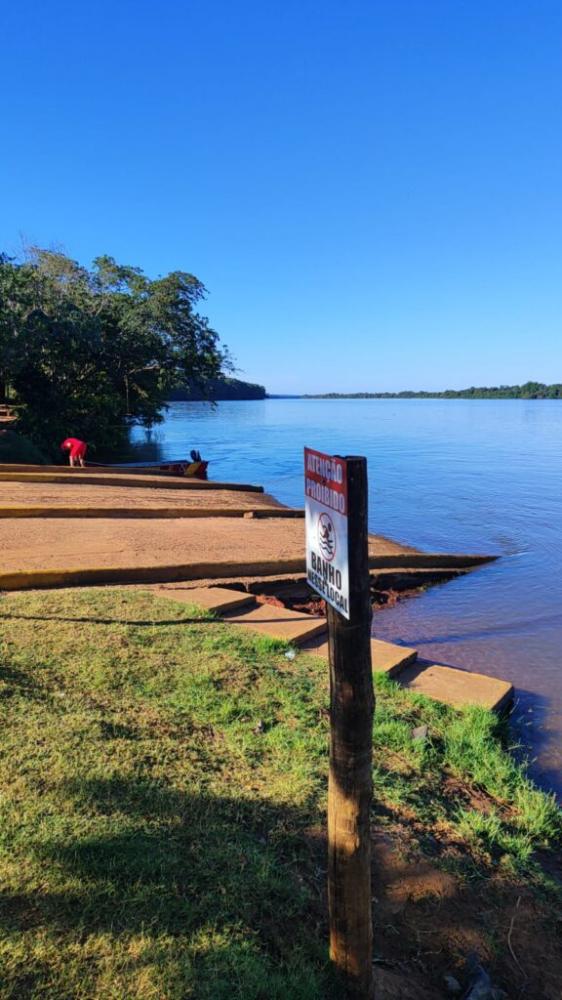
{"x":84,"y":352}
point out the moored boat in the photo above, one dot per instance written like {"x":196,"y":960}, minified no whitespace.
{"x":193,"y":468}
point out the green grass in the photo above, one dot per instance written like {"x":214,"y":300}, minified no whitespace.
{"x":162,"y":801}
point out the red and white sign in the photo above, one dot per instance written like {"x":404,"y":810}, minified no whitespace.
{"x":325,"y":491}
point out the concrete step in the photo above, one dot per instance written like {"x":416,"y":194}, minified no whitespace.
{"x":449,"y":685}
{"x":278,"y":623}
{"x":76,"y":510}
{"x":456,"y":687}
{"x":386,"y":657}
{"x":390,"y":659}
{"x":217,"y":599}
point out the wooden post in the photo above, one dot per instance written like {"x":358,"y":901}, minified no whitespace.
{"x":350,"y":780}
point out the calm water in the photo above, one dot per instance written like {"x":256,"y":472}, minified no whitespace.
{"x":449,"y":475}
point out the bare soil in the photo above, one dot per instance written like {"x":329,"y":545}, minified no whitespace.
{"x":428,"y":921}
{"x":311,"y":604}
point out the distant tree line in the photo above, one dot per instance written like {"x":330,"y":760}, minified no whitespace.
{"x":84,"y":352}
{"x":530,"y":390}
{"x":218,"y":388}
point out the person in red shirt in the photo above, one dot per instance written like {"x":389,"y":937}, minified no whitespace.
{"x":76,"y":451}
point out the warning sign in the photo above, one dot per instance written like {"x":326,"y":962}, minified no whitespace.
{"x":325,"y":488}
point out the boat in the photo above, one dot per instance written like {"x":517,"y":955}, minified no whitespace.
{"x":193,"y":468}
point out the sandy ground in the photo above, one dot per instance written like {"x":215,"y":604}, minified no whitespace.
{"x":74,"y":493}
{"x":68,"y":543}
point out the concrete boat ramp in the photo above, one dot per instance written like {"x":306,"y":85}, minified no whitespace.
{"x":61,"y":527}
{"x":309,"y":634}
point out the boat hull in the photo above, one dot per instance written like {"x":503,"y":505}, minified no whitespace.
{"x":191,"y":470}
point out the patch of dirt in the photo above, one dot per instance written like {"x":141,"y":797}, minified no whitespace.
{"x":389,"y":598}
{"x":471,"y":797}
{"x":269,"y":599}
{"x":307,"y":602}
{"x":427,"y":921}
{"x":313,"y":606}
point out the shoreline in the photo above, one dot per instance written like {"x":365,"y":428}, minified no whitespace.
{"x":97,"y":538}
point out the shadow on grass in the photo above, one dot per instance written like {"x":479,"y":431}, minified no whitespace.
{"x":192,"y":867}
{"x":18,"y":682}
{"x":239,"y":886}
{"x":77,"y":620}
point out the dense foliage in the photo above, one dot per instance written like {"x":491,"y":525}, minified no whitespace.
{"x":219,"y":388}
{"x":530,"y":390}
{"x":84,"y":352}
{"x":15,"y":448}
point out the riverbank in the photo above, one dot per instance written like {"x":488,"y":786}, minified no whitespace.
{"x":164,"y":788}
{"x":103,"y":526}
{"x":444,"y":475}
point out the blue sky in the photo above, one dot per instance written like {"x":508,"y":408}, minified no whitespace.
{"x":371,"y":190}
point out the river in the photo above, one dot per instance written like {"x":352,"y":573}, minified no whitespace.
{"x":444,"y":475}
